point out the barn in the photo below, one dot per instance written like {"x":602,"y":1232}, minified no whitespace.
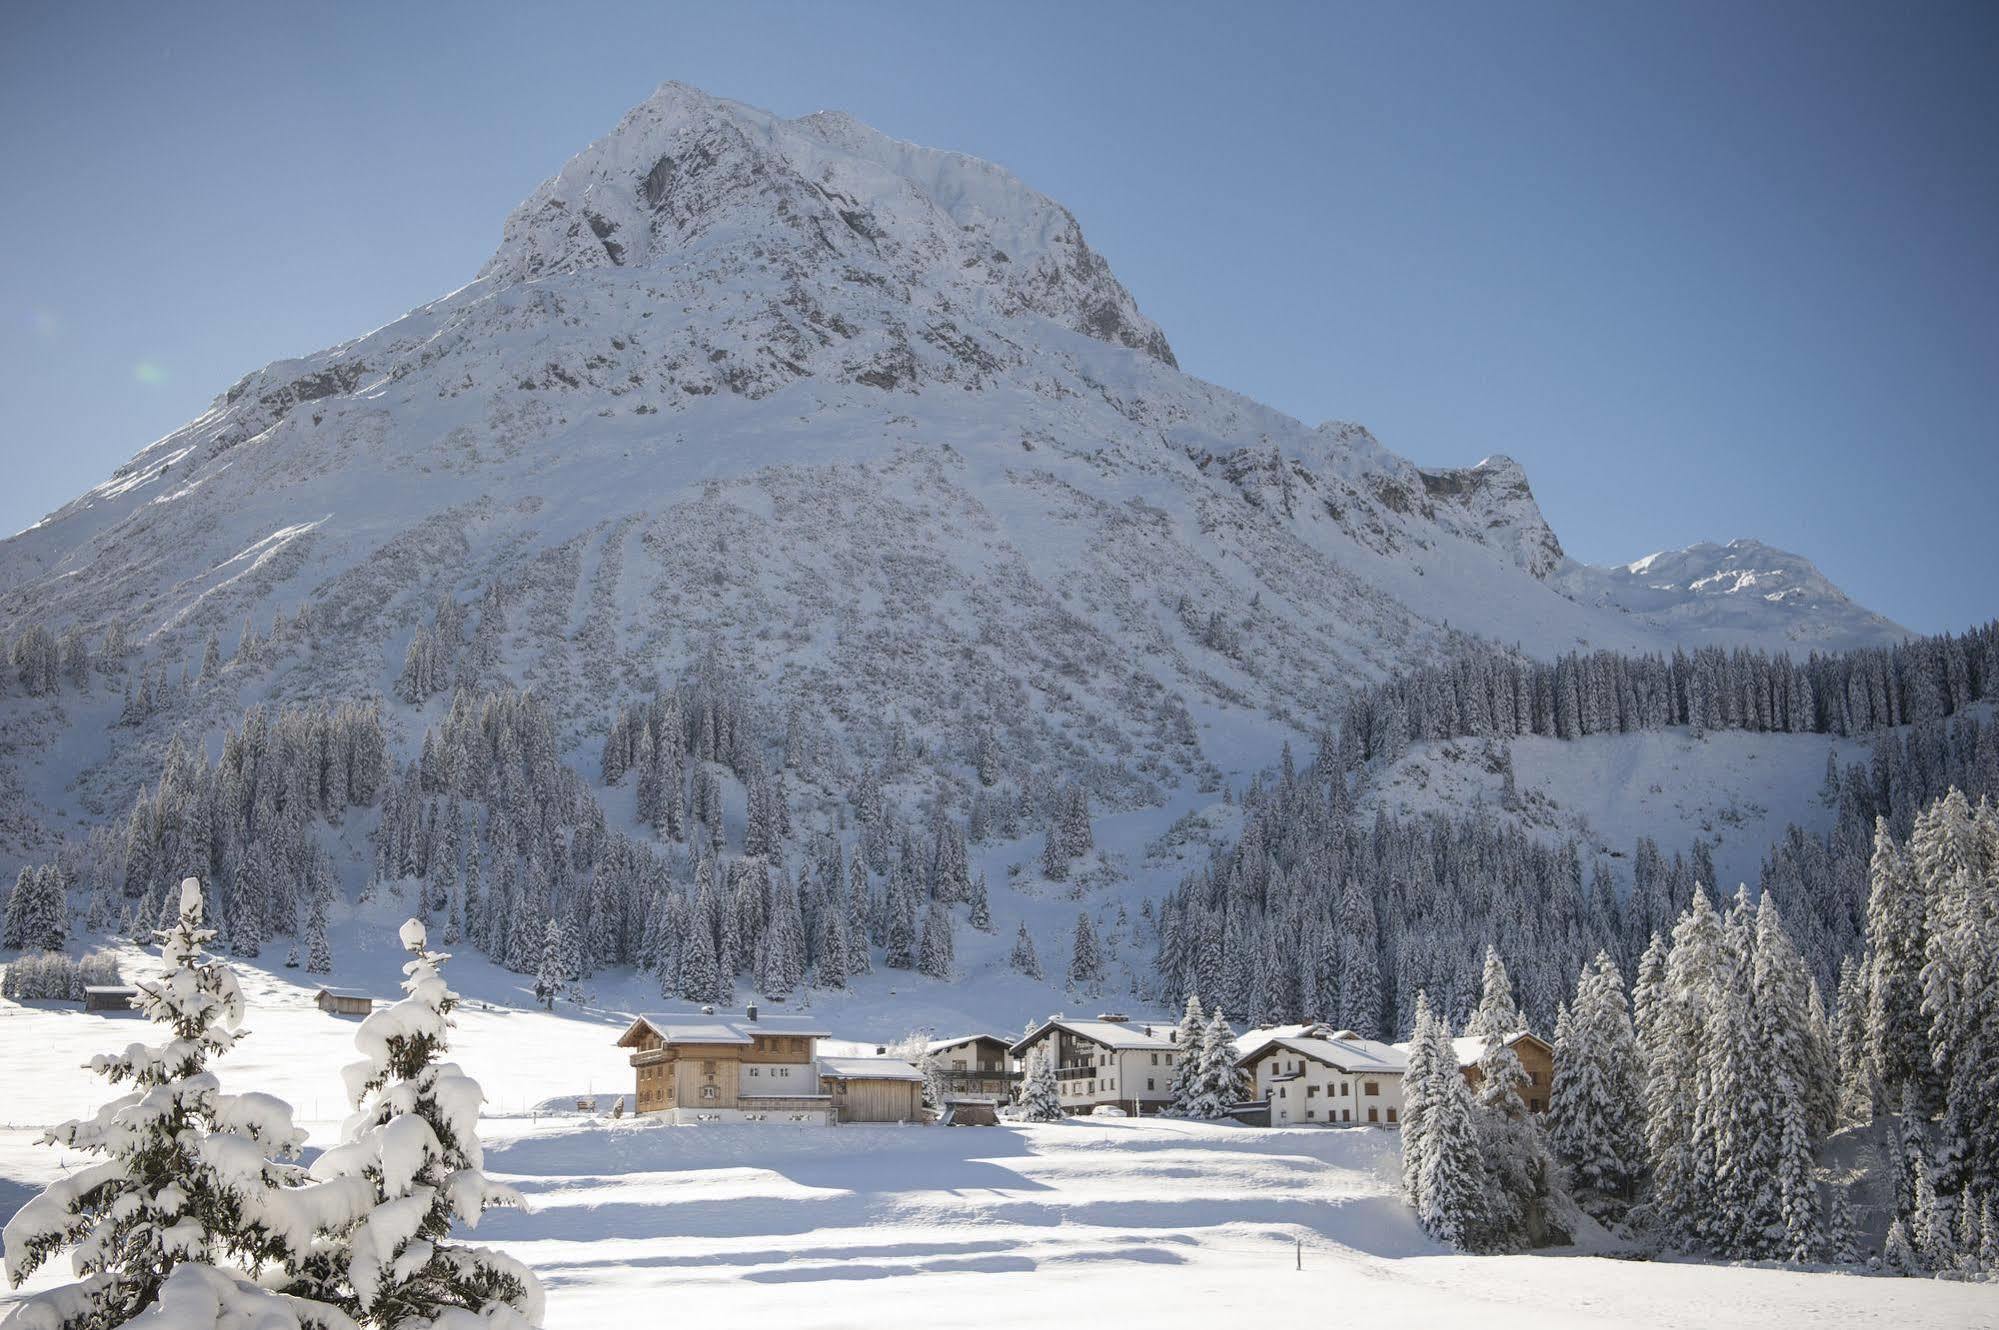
{"x":109,"y":997}
{"x":344,"y":1002}
{"x":873,"y":1089}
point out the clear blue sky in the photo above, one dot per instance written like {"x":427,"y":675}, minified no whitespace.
{"x":1707,"y":270}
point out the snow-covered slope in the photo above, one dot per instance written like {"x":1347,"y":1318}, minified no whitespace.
{"x":873,"y":422}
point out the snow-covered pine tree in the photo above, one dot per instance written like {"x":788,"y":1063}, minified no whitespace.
{"x":1789,"y":1045}
{"x":318,"y":951}
{"x":1497,"y":1013}
{"x":1218,"y":1082}
{"x":1896,"y":939}
{"x":1187,"y":1040}
{"x":1054,"y":854}
{"x":1086,"y":957}
{"x":936,"y":952}
{"x":1596,"y":1104}
{"x":1954,"y":850}
{"x":184,"y":1173}
{"x":414,"y":1139}
{"x":1675,"y":1045}
{"x":980,"y":917}
{"x":1454,"y":1197}
{"x":1022,"y":959}
{"x":1419,"y":1095}
{"x":1041,"y":1099}
{"x":552,"y":974}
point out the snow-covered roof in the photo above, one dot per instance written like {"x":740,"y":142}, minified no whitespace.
{"x":1344,"y":1049}
{"x":1250,"y":1041}
{"x":1111,"y":1034}
{"x":700,"y":1027}
{"x":325,"y":991}
{"x":869,"y":1069}
{"x":1471,"y":1047}
{"x":109,"y":988}
{"x":939,"y":1045}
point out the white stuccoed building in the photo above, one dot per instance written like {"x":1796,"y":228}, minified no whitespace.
{"x":1107,"y":1061}
{"x":1316,"y":1075}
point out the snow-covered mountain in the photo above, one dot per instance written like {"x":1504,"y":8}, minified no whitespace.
{"x":869,"y":420}
{"x":1742,"y":589}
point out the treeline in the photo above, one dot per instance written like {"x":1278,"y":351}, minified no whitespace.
{"x":1485,"y":691}
{"x":1315,"y":913}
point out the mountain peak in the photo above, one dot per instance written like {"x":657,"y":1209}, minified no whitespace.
{"x":709,"y":188}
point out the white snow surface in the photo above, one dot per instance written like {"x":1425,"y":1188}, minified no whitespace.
{"x":1188,"y":1221}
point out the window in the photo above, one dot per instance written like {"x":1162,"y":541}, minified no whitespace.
{"x":708,"y":1067}
{"x":1343,"y":1088}
{"x":756,"y":1071}
{"x":1534,"y":1105}
{"x":1311,"y":1092}
{"x":1311,"y":1112}
{"x":957,"y":1064}
{"x":1391,"y":1115}
{"x":707,"y":1092}
{"x":1346,"y":1115}
{"x":1155,"y":1059}
{"x":1370,"y":1087}
{"x":1169,"y":1059}
{"x":1372,"y":1116}
{"x":1533,"y":1078}
{"x":1148,"y":1082}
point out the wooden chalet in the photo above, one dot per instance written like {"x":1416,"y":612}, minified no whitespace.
{"x":1537,"y":1058}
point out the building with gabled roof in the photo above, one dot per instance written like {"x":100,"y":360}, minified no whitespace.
{"x":974,"y":1068}
{"x":698,"y":1067}
{"x":1107,"y":1061}
{"x":344,"y":1001}
{"x":1324,"y":1076}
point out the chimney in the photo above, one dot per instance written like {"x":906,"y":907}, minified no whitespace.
{"x":751,"y":1010}
{"x":880,"y":1049}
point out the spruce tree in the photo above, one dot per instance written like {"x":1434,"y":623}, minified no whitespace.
{"x":1187,"y":1042}
{"x":1041,"y":1099}
{"x":1086,"y":958}
{"x":937,"y":951}
{"x":1022,"y":959}
{"x":183,"y":1172}
{"x":413,"y":1141}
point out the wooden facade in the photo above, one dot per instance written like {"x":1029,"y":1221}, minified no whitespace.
{"x":109,"y":997}
{"x":1537,"y":1059}
{"x":698,"y":1067}
{"x":868,"y":1099}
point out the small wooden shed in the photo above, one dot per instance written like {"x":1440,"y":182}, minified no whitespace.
{"x":109,"y":997}
{"x":873,"y":1089}
{"x":344,"y":1002}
